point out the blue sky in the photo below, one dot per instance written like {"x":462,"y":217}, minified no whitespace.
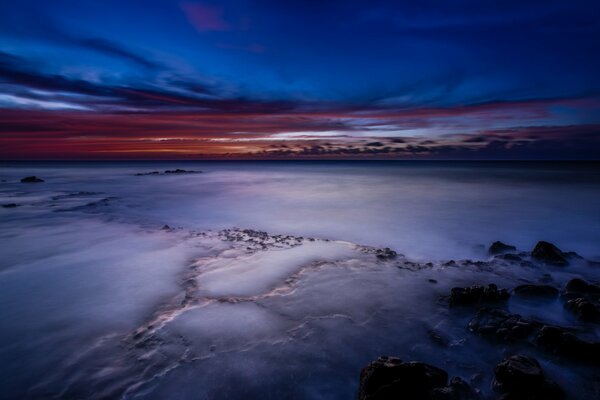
{"x":356,"y":70}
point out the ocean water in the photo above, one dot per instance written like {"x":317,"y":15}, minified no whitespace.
{"x":97,"y":301}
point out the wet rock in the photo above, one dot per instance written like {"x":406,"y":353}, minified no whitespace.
{"x":390,"y":378}
{"x":499,"y":248}
{"x":584,"y":309}
{"x":549,"y":254}
{"x":166,"y":228}
{"x":432,"y":280}
{"x":544,"y":291}
{"x":385,"y":254}
{"x":561,"y":342}
{"x":502,"y":325}
{"x":31,"y":179}
{"x":147,"y":173}
{"x":579,"y":286}
{"x":509,"y":257}
{"x":457,"y":389}
{"x":522,"y":377}
{"x":10,"y":205}
{"x":583,"y":299}
{"x":477,"y":294}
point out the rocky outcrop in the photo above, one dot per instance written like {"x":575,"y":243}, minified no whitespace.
{"x":10,"y":205}
{"x":32,"y":179}
{"x":549,"y":254}
{"x":177,"y":171}
{"x":477,"y":294}
{"x":536,"y":291}
{"x":522,"y":377}
{"x":500,"y":248}
{"x":563,"y":343}
{"x":390,"y":378}
{"x":385,"y":254}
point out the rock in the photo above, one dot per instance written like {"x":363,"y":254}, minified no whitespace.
{"x":584,"y":309}
{"x":430,"y":280}
{"x":166,"y":228}
{"x":147,"y":173}
{"x":31,"y":179}
{"x":546,"y":291}
{"x":477,"y":294}
{"x":10,"y":205}
{"x":499,"y":248}
{"x":580,"y":286}
{"x":389,"y":377}
{"x":583,"y":299}
{"x":457,"y":389}
{"x":501,"y":325}
{"x":561,"y":342}
{"x":549,"y":254}
{"x":180,"y":171}
{"x":385,"y":254}
{"x":522,"y":377}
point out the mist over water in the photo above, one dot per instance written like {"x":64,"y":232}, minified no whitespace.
{"x":96,"y":300}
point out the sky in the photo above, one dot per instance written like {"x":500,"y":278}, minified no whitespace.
{"x":234,"y":79}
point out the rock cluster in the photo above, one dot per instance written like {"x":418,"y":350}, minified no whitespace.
{"x":477,"y":294}
{"x":177,"y":171}
{"x":390,"y":378}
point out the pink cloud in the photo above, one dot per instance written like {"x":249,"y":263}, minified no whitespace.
{"x":205,"y":17}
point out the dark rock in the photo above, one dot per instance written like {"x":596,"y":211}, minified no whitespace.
{"x":10,"y":205}
{"x":386,"y":254}
{"x":536,"y":291}
{"x":499,"y":248}
{"x":31,"y":179}
{"x":389,"y":377}
{"x":477,"y":294}
{"x":457,"y":389}
{"x":522,"y":377}
{"x":166,"y":228}
{"x":432,"y":280}
{"x":549,"y":254}
{"x":509,"y":257}
{"x":147,"y":173}
{"x":501,"y":325}
{"x":580,"y":286}
{"x":561,"y":342}
{"x":180,"y":171}
{"x":584,"y":309}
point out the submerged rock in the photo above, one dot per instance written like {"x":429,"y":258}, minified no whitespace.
{"x":10,"y":205}
{"x":546,"y":291}
{"x":390,"y":378}
{"x":180,"y":171}
{"x":499,"y":248}
{"x":549,"y":254}
{"x":477,"y":294}
{"x":31,"y":179}
{"x":522,"y":377}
